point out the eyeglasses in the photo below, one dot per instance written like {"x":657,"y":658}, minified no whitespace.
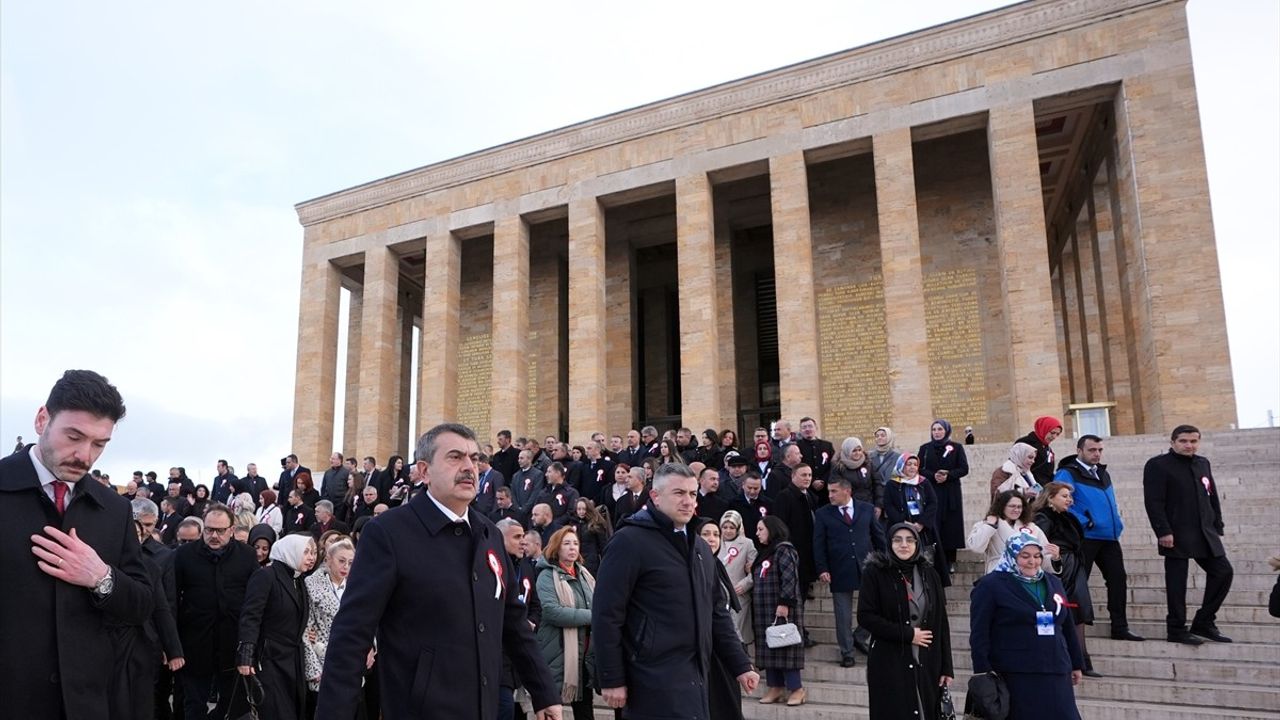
{"x":904,"y":540}
{"x":216,"y":531}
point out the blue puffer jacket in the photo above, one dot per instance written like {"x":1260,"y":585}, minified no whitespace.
{"x":1095,"y":500}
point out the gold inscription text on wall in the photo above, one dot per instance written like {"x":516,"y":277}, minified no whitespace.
{"x":854,"y":358}
{"x":953,"y":324}
{"x":475,"y":363}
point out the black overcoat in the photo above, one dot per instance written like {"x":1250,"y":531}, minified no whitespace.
{"x":950,"y":457}
{"x":271,"y":625}
{"x":210,"y":594}
{"x":841,"y":549}
{"x":661,"y":656}
{"x":428,"y":589}
{"x":794,"y":507}
{"x":1182,"y":500}
{"x":893,"y":674}
{"x":58,"y":641}
{"x":896,"y":511}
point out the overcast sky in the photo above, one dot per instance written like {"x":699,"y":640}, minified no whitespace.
{"x":151,"y":155}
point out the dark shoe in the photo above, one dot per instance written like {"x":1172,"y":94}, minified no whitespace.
{"x":848,"y":662}
{"x":1210,"y":632}
{"x":1184,"y":637}
{"x":1090,"y":672}
{"x":1126,"y":635}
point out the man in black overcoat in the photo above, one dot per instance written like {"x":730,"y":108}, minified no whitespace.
{"x":74,"y":579}
{"x":430,"y":582}
{"x":660,"y":611}
{"x":210,"y":576}
{"x":1186,"y":514}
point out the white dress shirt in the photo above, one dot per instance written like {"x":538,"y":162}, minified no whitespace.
{"x":47,"y":478}
{"x":453,"y":517}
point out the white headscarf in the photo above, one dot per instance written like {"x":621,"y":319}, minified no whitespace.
{"x":289,"y":549}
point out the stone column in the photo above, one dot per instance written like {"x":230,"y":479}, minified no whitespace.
{"x":404,"y":379}
{"x":588,"y":408}
{"x":801,"y":385}
{"x":441,"y":312}
{"x":909,"y":383}
{"x":1183,"y":356}
{"x":376,"y":428}
{"x":1088,"y":294}
{"x":351,"y":402}
{"x":1071,"y":324}
{"x":619,"y":323}
{"x":509,"y":385}
{"x":315,"y":384}
{"x":1024,"y":264}
{"x":724,"y":317}
{"x":699,"y":316}
{"x":1111,"y":324}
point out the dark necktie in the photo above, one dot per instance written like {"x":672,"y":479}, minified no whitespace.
{"x":844,"y":515}
{"x":60,"y":496}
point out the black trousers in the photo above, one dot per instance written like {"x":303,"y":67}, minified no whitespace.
{"x":1110,"y":560}
{"x":1216,"y":587}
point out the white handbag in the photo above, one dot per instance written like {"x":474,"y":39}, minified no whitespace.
{"x":782,"y":635}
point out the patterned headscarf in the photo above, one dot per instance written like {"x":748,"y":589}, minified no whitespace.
{"x":1009,"y":563}
{"x":898,"y":467}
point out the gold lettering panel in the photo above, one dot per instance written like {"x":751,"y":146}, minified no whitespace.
{"x":953,"y":325}
{"x":475,"y":364}
{"x":853,"y":356}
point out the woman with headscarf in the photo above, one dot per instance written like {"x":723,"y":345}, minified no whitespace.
{"x":269,"y":513}
{"x":943,"y":463}
{"x":902,"y":604}
{"x":776,"y":597}
{"x":1020,"y":627}
{"x":737,"y":553}
{"x":1044,"y":431}
{"x":261,"y":538}
{"x":272,"y":619}
{"x":884,"y":455}
{"x":910,"y":499}
{"x":851,"y":464}
{"x":1009,"y":515}
{"x":1015,"y":473}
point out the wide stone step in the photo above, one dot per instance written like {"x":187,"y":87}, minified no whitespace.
{"x":1108,"y":690}
{"x":821,"y":664}
{"x":822,"y":629}
{"x":1195,"y":581}
{"x":819,"y":610}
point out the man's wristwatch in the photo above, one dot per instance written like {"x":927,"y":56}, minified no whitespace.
{"x":104,"y":586}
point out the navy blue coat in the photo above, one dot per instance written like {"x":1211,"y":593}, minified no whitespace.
{"x":658,"y":615}
{"x":841,"y":549}
{"x":425,"y":587}
{"x":1002,"y":628}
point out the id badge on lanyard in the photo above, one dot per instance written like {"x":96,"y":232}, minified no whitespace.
{"x":913,"y":505}
{"x":1044,"y":622}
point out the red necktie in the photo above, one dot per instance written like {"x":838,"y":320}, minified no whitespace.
{"x":60,"y":496}
{"x":844,"y":515}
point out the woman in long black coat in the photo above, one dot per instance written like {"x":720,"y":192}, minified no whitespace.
{"x":902,"y":605}
{"x":271,"y":624}
{"x":909,"y":498}
{"x":724,"y":696}
{"x":944,"y":465}
{"x":777,"y":593}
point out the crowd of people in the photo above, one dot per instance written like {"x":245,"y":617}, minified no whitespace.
{"x":532,"y":574}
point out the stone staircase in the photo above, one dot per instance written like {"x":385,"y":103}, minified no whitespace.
{"x":1152,"y":680}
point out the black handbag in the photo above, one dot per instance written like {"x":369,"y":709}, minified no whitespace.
{"x":988,"y":697}
{"x":247,"y":708}
{"x":946,"y":708}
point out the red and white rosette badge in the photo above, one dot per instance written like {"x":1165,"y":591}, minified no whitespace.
{"x":947,"y":450}
{"x":524,"y":598}
{"x":1208,"y":486}
{"x":733,"y":553}
{"x":1059,"y":601}
{"x":496,"y":566}
{"x":764,"y":568}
